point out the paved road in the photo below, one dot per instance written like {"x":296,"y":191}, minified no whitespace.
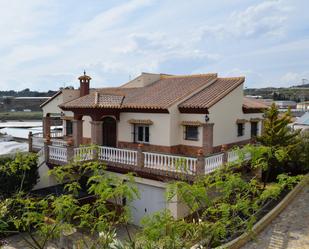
{"x":290,"y":230}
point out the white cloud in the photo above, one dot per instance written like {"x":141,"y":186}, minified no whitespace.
{"x":293,"y":78}
{"x":107,"y":19}
{"x":265,"y":18}
{"x":47,"y":43}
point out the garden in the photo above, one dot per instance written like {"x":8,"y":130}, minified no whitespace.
{"x":221,"y":205}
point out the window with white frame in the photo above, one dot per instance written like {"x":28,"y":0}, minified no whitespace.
{"x":141,"y":133}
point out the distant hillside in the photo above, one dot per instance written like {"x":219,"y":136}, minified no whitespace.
{"x":301,"y":86}
{"x":296,"y":93}
{"x":27,"y":93}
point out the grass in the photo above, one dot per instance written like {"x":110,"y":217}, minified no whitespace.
{"x":21,"y":115}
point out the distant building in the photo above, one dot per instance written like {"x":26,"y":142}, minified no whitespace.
{"x":302,"y":122}
{"x":285,"y":104}
{"x":303,"y":106}
{"x":254,"y":96}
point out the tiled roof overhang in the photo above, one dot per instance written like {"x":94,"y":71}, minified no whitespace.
{"x":253,"y":106}
{"x":209,"y":96}
{"x":140,"y":121}
{"x":191,"y":123}
{"x":193,"y":110}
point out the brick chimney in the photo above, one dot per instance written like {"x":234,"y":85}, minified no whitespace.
{"x":84,"y":84}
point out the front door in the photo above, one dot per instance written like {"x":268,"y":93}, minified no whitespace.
{"x":109,"y":132}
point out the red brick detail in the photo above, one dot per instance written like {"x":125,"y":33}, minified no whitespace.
{"x":208,"y":130}
{"x":87,"y":140}
{"x":46,"y":126}
{"x":176,"y":149}
{"x":218,"y":148}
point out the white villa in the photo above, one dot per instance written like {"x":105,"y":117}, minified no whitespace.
{"x":166,"y":113}
{"x":150,"y":123}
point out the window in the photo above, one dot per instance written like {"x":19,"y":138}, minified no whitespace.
{"x":191,"y":133}
{"x":69,"y":128}
{"x":141,"y":133}
{"x":254,"y":129}
{"x":240,"y":129}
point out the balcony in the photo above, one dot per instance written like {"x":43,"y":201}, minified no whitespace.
{"x":57,"y":151}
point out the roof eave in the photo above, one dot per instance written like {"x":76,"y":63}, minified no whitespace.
{"x":196,"y":110}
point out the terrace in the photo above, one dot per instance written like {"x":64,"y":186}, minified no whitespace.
{"x":57,"y":151}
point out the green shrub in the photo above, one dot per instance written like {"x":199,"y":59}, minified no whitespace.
{"x":299,"y":161}
{"x":18,"y":174}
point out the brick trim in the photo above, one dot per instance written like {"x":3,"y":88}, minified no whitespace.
{"x":176,"y":149}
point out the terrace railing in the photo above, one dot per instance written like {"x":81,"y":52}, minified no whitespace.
{"x":37,"y":143}
{"x":140,"y":159}
{"x":170,"y":162}
{"x":58,"y":154}
{"x":84,"y":154}
{"x":213,"y":162}
{"x":116,"y":155}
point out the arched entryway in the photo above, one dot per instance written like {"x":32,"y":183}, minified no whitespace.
{"x":109,"y":132}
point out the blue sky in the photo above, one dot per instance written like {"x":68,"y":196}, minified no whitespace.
{"x":47,"y":44}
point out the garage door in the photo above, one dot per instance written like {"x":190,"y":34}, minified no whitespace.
{"x":152,"y":199}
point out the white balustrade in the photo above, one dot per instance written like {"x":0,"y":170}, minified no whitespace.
{"x":247,"y":156}
{"x":84,"y":153}
{"x":213,"y":162}
{"x":170,"y":163}
{"x":118,"y":155}
{"x":57,"y":153}
{"x":53,"y":134}
{"x":37,"y":142}
{"x":58,"y":142}
{"x":38,"y":134}
{"x":56,"y":134}
{"x":232,"y":156}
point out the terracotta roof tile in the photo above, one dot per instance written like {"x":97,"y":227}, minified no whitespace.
{"x":212,"y":94}
{"x":96,"y":99}
{"x":158,"y":95}
{"x":250,"y":103}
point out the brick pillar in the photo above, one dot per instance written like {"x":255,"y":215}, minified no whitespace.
{"x":97,"y":132}
{"x":30,"y":141}
{"x":140,"y":156}
{"x":225,"y":153}
{"x":70,"y":150}
{"x":208,"y":138}
{"x":46,"y":148}
{"x":46,"y":126}
{"x":200,"y":165}
{"x":77,"y":132}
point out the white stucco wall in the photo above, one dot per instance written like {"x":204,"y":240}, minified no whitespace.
{"x":87,"y":126}
{"x":224,"y":115}
{"x":159,"y":131}
{"x":52,"y":106}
